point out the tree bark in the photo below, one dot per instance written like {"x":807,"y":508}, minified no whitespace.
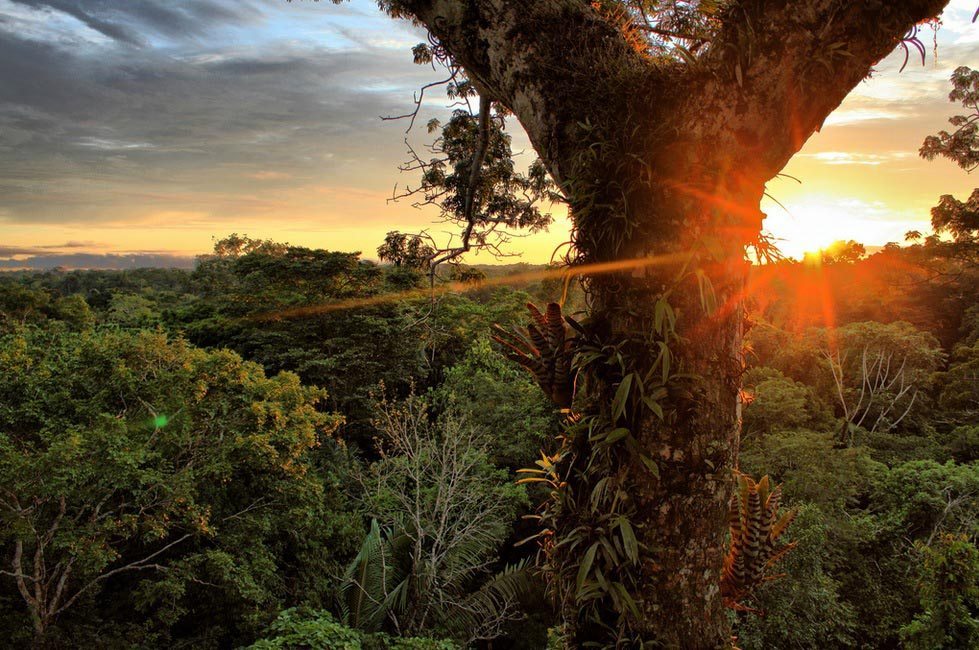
{"x":660,"y":160}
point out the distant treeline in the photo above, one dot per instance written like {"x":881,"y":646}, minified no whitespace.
{"x":104,"y":261}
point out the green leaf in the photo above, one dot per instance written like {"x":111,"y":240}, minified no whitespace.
{"x":597,"y":436}
{"x":663,"y":315}
{"x":597,"y":493}
{"x":659,"y":313}
{"x":585,"y":567}
{"x":650,"y":465}
{"x":615,"y":435}
{"x":653,"y":406}
{"x":621,"y":396}
{"x":626,"y":598}
{"x":629,"y":540}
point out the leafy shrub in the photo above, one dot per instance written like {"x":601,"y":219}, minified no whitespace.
{"x":779,"y":403}
{"x":296,"y":629}
{"x":949,"y":591}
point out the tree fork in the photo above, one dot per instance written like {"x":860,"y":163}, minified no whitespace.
{"x":658,"y":157}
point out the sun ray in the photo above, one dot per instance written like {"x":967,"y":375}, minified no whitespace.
{"x":457,"y":287}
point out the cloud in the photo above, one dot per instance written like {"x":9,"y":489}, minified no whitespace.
{"x":854,"y":158}
{"x":77,"y":11}
{"x":132,"y":21}
{"x":269,"y":176}
{"x":44,"y":250}
{"x":99,"y":261}
{"x":74,"y":244}
{"x":111,"y":145}
{"x":861,"y":114}
{"x":13,"y":251}
{"x":103,"y":135}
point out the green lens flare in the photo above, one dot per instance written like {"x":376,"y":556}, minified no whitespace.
{"x":160,"y":421}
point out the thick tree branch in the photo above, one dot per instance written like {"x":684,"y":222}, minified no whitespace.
{"x":780,"y":67}
{"x":542,"y":59}
{"x":715,"y":128}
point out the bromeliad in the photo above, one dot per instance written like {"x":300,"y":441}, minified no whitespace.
{"x":545,"y":348}
{"x":756,"y":526}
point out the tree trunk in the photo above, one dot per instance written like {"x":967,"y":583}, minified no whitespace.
{"x":688,"y":231}
{"x":681,"y":517}
{"x":665,"y":163}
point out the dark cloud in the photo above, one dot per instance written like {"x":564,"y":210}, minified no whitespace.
{"x":77,"y":10}
{"x":11,"y":251}
{"x":131,"y":21}
{"x":88,"y":132}
{"x":94,"y":261}
{"x":42,"y":251}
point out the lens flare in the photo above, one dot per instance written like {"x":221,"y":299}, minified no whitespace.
{"x":457,"y":287}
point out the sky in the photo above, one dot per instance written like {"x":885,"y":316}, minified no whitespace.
{"x":147,"y":128}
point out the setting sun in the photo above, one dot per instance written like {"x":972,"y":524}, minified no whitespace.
{"x":810,"y":222}
{"x":808,"y":225}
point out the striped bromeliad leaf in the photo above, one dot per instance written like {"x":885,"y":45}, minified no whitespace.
{"x":545,"y":348}
{"x":756,"y":527}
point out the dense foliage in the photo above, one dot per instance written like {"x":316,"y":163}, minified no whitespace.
{"x":318,"y":630}
{"x":182,"y":482}
{"x":162,"y":491}
{"x":158,"y":490}
{"x":173,"y":473}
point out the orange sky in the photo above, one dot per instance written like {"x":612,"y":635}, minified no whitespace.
{"x":290,"y":146}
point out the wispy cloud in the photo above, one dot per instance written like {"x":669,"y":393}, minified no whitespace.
{"x":134,"y":23}
{"x":98,"y":261}
{"x":74,"y":244}
{"x":14,"y":251}
{"x":855,"y":158}
{"x":269,"y":176}
{"x":98,"y":135}
{"x":110,"y":145}
{"x":855,"y":114}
